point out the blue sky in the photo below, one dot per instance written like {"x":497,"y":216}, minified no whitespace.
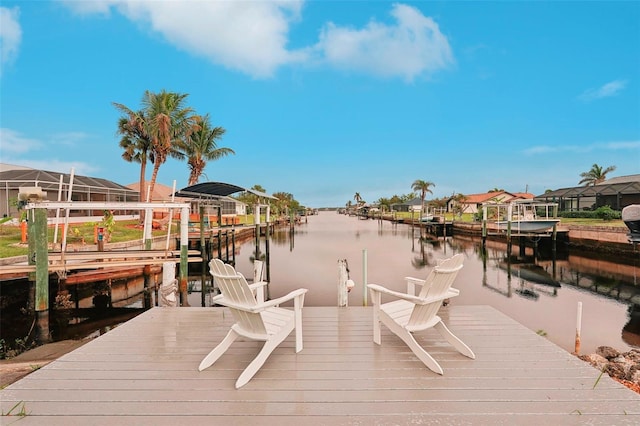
{"x":323,"y":99}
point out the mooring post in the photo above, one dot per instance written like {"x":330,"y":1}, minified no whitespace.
{"x":484,"y":225}
{"x":148,"y":227}
{"x":267,"y":257}
{"x":203,"y":254}
{"x":233,"y":246}
{"x":184,"y":254}
{"x":226,"y":245}
{"x":578,"y":328}
{"x":39,"y":254}
{"x":364,"y":277}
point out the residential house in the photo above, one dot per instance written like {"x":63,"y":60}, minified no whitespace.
{"x":472,"y":203}
{"x":58,"y":186}
{"x":412,"y":205}
{"x":617,"y":193}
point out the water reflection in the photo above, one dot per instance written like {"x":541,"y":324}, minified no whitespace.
{"x":534,"y":288}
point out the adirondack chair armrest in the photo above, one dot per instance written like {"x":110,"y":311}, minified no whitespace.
{"x":452,"y":292}
{"x":258,"y":284}
{"x":221,"y":300}
{"x":275,"y":302}
{"x":408,"y":297}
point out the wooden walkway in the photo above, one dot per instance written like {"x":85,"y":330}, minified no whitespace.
{"x":144,"y":372}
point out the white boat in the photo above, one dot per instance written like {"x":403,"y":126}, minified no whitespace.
{"x":531,"y":225}
{"x":631,"y":218}
{"x":522,"y":216}
{"x":426,"y":218}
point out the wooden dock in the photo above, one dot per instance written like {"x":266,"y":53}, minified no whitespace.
{"x":145,"y":372}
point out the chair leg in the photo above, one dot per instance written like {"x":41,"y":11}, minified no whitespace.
{"x":257,"y":362}
{"x":411,"y":342}
{"x":218,"y":350}
{"x":298,"y":301}
{"x":375,"y":296}
{"x":419,"y":351}
{"x":454,"y":340}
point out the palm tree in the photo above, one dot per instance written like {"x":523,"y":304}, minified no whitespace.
{"x":596,"y":175}
{"x":285,"y":204}
{"x":135,"y":141}
{"x":357,"y":198}
{"x":458,"y":205}
{"x":200,"y":146}
{"x":423,"y":187}
{"x":169,"y":123}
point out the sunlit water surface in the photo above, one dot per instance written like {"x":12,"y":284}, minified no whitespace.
{"x":310,"y":260}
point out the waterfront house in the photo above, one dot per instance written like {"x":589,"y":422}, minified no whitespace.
{"x":472,"y":203}
{"x":83,"y":188}
{"x":617,"y":193}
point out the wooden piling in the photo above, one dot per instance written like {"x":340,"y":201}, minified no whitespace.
{"x":39,"y":254}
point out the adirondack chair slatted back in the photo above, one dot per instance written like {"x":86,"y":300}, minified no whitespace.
{"x":234,"y":287}
{"x":437,"y":284}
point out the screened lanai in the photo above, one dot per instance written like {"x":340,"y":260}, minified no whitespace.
{"x":83,"y":188}
{"x":616,"y":193}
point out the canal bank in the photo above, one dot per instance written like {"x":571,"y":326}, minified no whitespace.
{"x":604,"y":239}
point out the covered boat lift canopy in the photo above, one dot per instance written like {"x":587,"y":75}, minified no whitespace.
{"x":214,"y":190}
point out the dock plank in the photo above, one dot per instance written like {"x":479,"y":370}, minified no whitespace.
{"x":145,"y":372}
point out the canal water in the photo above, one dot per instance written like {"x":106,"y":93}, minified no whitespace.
{"x":538,"y":291}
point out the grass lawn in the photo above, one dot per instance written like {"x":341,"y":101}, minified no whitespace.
{"x":10,"y":236}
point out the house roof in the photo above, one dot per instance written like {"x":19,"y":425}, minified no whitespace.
{"x":216,"y":190}
{"x":484,"y":197}
{"x":620,"y":185}
{"x":524,"y":195}
{"x":593,"y":190}
{"x":160,"y":192}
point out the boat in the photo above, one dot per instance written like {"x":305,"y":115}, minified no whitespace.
{"x":538,"y":225}
{"x":522,"y":217}
{"x":631,"y":218}
{"x":427,"y":218}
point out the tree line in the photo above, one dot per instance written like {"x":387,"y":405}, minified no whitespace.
{"x":594,"y":176}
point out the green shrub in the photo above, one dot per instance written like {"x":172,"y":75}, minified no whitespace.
{"x":607,"y":213}
{"x":604,"y":213}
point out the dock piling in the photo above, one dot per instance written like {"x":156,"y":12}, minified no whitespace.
{"x":578,"y":329}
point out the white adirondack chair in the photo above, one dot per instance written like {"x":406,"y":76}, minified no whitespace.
{"x":411,"y":313}
{"x":255,"y":319}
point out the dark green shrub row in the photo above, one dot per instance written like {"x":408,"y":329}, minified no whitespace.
{"x":604,"y":213}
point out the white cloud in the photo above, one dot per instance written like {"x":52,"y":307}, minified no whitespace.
{"x":253,"y":36}
{"x":610,"y":89}
{"x":247,"y":36}
{"x":22,"y":150}
{"x":412,"y":47}
{"x":55,"y":165}
{"x":85,"y":7}
{"x":14,"y":142}
{"x":10,"y":33}
{"x":602,"y":146}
